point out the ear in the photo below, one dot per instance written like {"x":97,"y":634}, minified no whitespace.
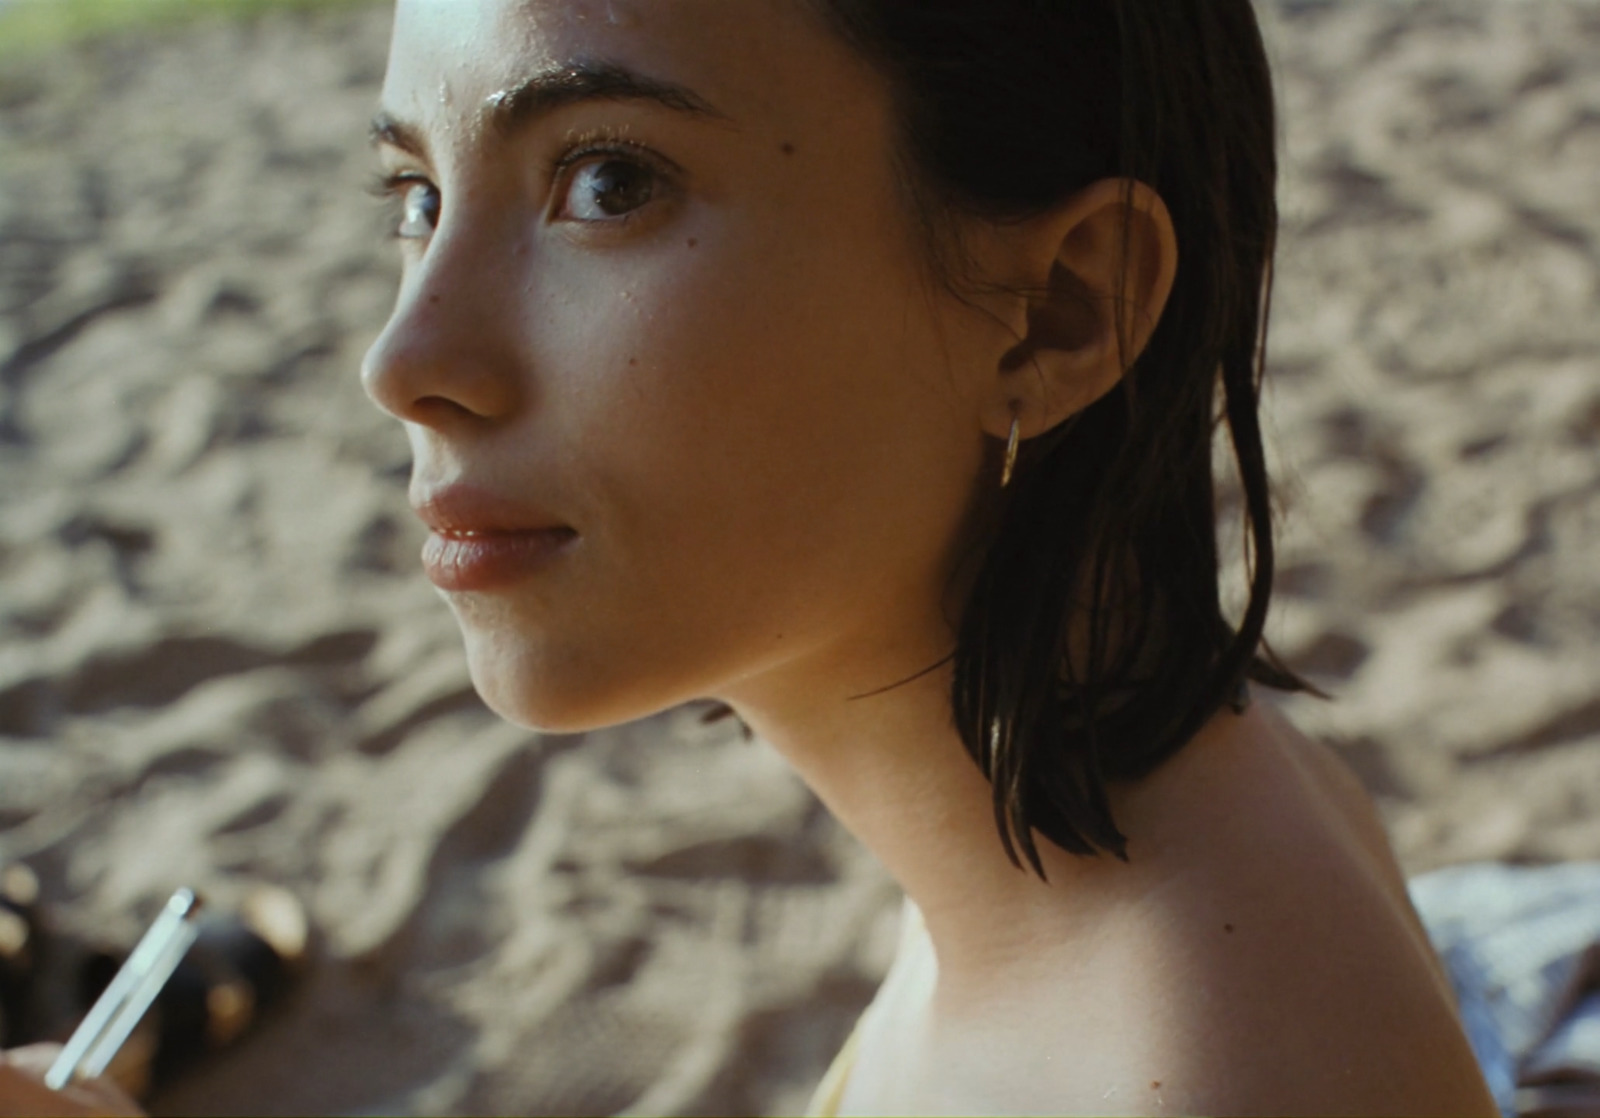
{"x":1094,"y":274}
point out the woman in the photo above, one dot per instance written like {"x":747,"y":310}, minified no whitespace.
{"x":855,"y":363}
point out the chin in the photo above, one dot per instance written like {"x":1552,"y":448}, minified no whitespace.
{"x":556,"y":695}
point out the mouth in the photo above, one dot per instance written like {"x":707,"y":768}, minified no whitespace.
{"x":479,"y":541}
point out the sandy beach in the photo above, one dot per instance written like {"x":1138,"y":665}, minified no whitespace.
{"x":220,"y":664}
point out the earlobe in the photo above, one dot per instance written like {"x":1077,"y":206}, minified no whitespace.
{"x":1108,"y":257}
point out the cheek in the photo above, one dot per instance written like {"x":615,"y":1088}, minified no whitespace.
{"x":760,"y":448}
{"x":748,"y":391}
{"x":772,"y":410}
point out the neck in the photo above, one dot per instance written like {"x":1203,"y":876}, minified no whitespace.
{"x":892,"y":768}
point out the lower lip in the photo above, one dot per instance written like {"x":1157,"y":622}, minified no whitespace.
{"x":488,"y":560}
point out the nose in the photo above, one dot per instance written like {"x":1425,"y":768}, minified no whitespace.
{"x":447,"y":355}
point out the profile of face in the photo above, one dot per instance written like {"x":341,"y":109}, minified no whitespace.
{"x":689,"y":417}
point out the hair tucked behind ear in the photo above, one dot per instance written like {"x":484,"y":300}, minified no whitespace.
{"x":1094,"y":643}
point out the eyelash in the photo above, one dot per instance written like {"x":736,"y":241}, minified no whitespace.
{"x":392,"y":186}
{"x":588,"y":146}
{"x":601,"y":142}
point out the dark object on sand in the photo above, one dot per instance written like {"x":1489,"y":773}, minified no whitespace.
{"x":242,"y":963}
{"x":19,"y":937}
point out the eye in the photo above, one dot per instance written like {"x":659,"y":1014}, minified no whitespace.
{"x":604,"y":189}
{"x":419,"y":208}
{"x":416,"y":199}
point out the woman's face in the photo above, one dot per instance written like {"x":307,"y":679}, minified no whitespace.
{"x":687,"y":418}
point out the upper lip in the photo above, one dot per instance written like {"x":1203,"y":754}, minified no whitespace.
{"x":459,"y":509}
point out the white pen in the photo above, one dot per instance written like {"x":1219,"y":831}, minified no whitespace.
{"x":135,"y":986}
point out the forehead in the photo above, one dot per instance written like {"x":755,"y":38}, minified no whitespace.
{"x":754,"y":60}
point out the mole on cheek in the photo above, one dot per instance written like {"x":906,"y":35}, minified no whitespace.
{"x":693,"y":242}
{"x":433,"y":300}
{"x":788,"y":148}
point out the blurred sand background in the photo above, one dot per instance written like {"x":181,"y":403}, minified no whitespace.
{"x":221,"y":665}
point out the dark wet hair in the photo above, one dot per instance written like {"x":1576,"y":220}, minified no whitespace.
{"x":1108,"y":532}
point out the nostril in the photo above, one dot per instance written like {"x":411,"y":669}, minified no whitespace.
{"x":438,"y":384}
{"x":436,"y":411}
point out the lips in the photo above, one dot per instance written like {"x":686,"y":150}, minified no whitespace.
{"x":480,"y":541}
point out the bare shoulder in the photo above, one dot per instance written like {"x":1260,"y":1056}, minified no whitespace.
{"x":1301,"y":977}
{"x":1258,"y":955}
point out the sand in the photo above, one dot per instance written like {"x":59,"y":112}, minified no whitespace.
{"x":220,"y":664}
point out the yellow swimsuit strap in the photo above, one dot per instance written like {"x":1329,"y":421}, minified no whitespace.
{"x":825,"y":1100}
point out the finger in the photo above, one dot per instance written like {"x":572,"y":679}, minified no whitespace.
{"x":34,"y":1059}
{"x":22,"y":1089}
{"x":102,"y":1096}
{"x":21,"y":1093}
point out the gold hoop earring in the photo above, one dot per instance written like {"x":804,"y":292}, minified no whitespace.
{"x":1011,"y":452}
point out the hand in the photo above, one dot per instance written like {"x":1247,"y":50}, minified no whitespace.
{"x":22,"y":1089}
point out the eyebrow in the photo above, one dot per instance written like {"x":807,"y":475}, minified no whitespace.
{"x":519,"y":106}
